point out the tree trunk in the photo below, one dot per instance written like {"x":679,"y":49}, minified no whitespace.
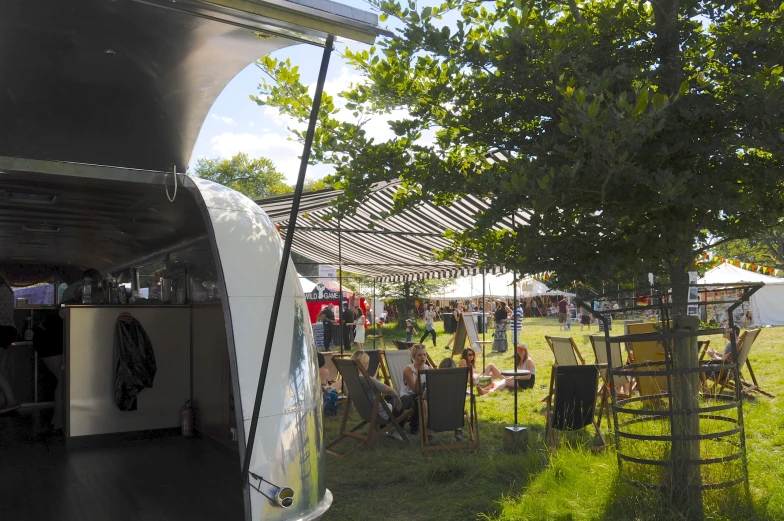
{"x":685,"y":399}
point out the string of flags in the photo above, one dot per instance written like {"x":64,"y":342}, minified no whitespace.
{"x":758,"y":268}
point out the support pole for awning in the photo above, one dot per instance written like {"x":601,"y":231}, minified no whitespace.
{"x":340,"y":292}
{"x":284,"y":261}
{"x":484,"y":321}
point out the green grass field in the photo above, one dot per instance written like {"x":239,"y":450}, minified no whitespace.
{"x":394,"y":481}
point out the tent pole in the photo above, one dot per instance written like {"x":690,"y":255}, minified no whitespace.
{"x":373,"y":307}
{"x":340,"y":291}
{"x":285,"y":256}
{"x":514,"y":336}
{"x":484,"y":321}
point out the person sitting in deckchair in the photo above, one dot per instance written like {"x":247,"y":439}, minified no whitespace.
{"x":399,"y":403}
{"x":526,"y":381}
{"x":326,"y":385}
{"x":721,"y":357}
{"x":412,"y":380}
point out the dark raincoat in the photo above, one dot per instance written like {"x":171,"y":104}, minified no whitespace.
{"x":134,"y":361}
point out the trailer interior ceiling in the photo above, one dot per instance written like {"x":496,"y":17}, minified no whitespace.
{"x":106,"y":224}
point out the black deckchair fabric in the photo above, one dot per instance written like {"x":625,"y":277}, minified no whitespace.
{"x":446,"y":398}
{"x":575,"y":396}
{"x":403,"y":345}
{"x":374,"y":360}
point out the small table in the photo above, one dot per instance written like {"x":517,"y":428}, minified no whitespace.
{"x":519,"y":372}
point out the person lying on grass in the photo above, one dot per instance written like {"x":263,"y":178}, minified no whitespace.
{"x":399,"y":404}
{"x":468,"y":359}
{"x":524,"y":362}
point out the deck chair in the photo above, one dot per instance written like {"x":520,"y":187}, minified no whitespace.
{"x":618,"y":360}
{"x":399,"y":344}
{"x":724,"y":378}
{"x":367,"y":410}
{"x":564,"y":350}
{"x":396,"y":361}
{"x":649,"y":351}
{"x":571,"y":404}
{"x":446,"y":405}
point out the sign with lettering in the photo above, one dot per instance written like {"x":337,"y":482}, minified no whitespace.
{"x":320,"y":292}
{"x":327,"y":273}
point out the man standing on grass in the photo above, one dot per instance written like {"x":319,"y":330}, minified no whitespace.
{"x":563,"y":309}
{"x":327,"y":320}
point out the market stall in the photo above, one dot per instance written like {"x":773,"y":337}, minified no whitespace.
{"x":765,"y":307}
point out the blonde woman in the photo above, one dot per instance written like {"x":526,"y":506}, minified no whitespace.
{"x":399,"y":403}
{"x":412,"y":381}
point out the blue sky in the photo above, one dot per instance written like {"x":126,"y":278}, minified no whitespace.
{"x":237,"y":124}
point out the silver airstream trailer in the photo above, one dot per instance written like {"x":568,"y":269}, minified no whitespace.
{"x":101,"y":102}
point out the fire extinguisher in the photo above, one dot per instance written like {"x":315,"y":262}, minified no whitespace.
{"x":187,"y":419}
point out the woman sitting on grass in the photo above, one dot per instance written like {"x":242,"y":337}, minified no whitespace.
{"x":524,"y":363}
{"x":468,"y":359}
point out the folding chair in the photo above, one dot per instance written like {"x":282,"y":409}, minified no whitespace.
{"x":396,"y":361}
{"x":367,"y":410}
{"x":399,"y":344}
{"x":645,"y":352}
{"x":564,"y":350}
{"x":745,"y":342}
{"x":600,"y":352}
{"x":446,"y":404}
{"x":573,"y":388}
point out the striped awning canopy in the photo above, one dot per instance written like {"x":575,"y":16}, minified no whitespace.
{"x":397,"y":248}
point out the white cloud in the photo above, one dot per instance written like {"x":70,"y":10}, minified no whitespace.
{"x":223,"y":119}
{"x":283,"y":152}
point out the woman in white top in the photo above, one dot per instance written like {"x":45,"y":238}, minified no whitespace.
{"x":412,"y":381}
{"x":359,"y":328}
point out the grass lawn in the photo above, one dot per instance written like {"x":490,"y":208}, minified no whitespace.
{"x":394,"y":481}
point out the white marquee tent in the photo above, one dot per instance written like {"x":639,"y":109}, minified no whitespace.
{"x":496,"y":286}
{"x":767,"y":304}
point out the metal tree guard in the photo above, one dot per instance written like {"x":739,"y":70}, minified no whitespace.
{"x":645,"y":430}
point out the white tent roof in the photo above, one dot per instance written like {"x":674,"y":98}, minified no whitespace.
{"x":307,"y":286}
{"x":532,"y":288}
{"x":496,"y":286}
{"x":728,"y":274}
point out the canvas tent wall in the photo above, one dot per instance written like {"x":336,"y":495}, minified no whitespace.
{"x":767,"y":304}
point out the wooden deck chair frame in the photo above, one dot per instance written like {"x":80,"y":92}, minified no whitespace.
{"x":351,"y":373}
{"x":549,"y":429}
{"x":600,"y":352}
{"x":724,"y":379}
{"x":471,"y":418}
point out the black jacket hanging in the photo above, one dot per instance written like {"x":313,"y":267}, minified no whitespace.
{"x":134,"y":361}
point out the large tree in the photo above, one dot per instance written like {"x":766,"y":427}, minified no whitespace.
{"x":636,"y":134}
{"x":764,"y":248}
{"x":254,"y":177}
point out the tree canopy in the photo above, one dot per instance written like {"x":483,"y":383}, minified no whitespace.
{"x":253,"y":177}
{"x":637,"y":134}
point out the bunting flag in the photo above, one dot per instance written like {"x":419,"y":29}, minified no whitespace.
{"x":707,"y":258}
